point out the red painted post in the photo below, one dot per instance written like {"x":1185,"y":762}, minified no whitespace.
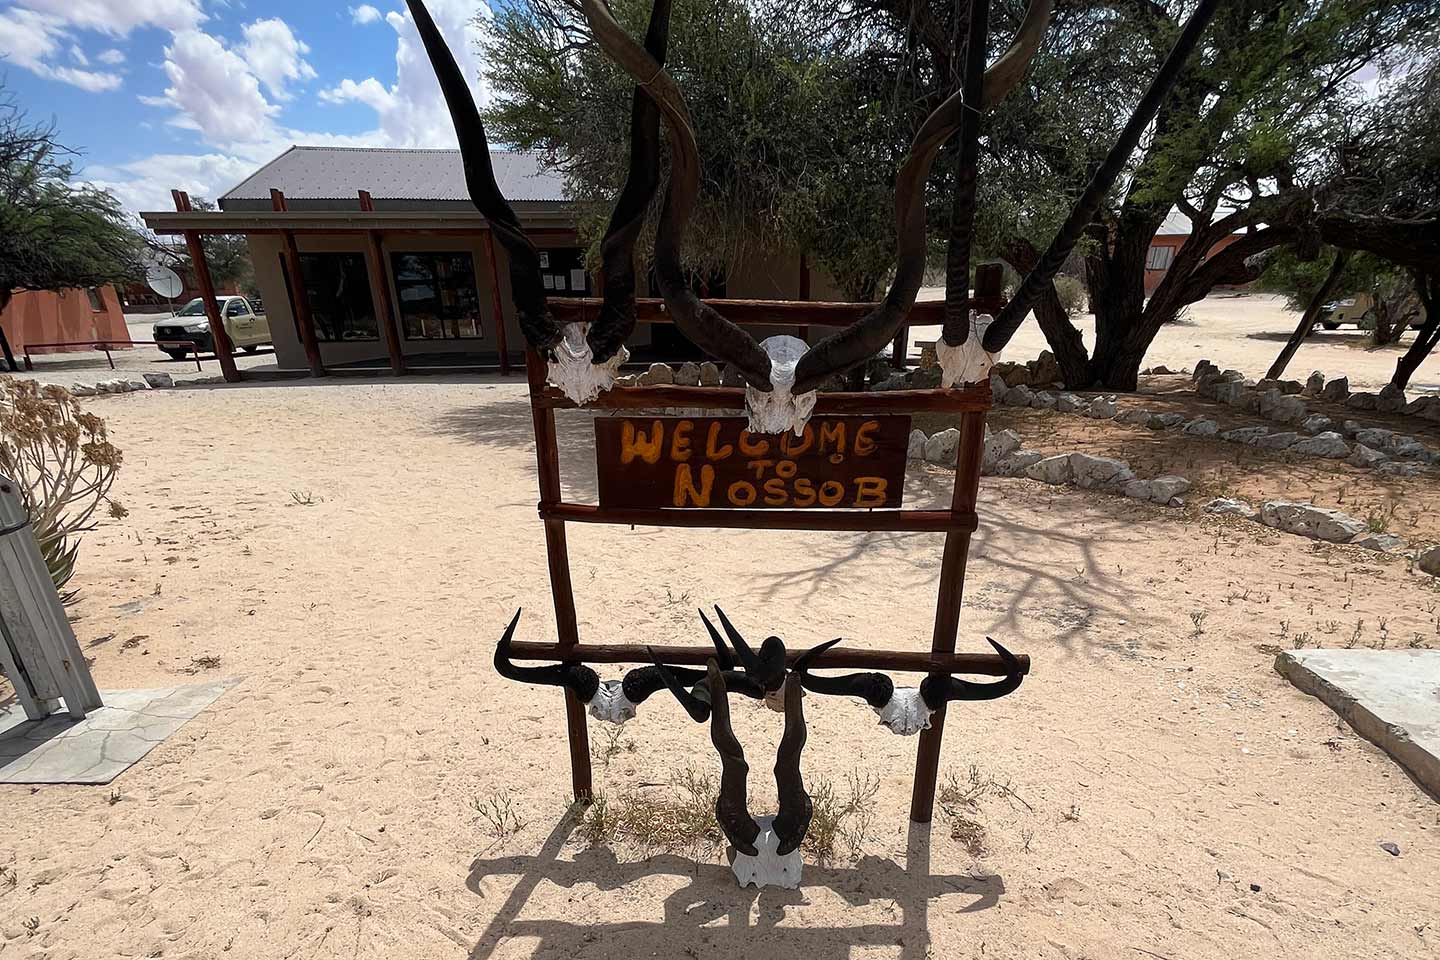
{"x":224,"y":352}
{"x":497,"y":304}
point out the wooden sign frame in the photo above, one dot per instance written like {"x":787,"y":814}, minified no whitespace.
{"x":957,"y":523}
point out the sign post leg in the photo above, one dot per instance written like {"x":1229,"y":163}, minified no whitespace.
{"x":947,"y":606}
{"x":547,"y":457}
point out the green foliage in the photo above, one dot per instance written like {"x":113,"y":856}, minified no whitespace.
{"x":1298,"y":279}
{"x":799,"y":146}
{"x":227,"y":254}
{"x":55,"y":234}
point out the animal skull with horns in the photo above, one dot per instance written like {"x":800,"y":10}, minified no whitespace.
{"x":782,"y":374}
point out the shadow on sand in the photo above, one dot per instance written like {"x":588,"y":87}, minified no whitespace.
{"x":711,"y":916}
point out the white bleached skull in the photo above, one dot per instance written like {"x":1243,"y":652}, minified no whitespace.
{"x":967,"y":363}
{"x":574,"y":373}
{"x":780,"y":410}
{"x":767,"y":868}
{"x":610,"y":703}
{"x":906,"y":713}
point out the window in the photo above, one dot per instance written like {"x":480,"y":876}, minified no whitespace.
{"x":437,"y":295}
{"x":96,"y":303}
{"x":1159,"y":258}
{"x":236,"y":308}
{"x":337,"y":286}
{"x":562,"y":271}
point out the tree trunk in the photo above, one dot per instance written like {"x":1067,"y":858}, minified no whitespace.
{"x":1427,"y":286}
{"x":5,"y":297}
{"x":1311,"y":314}
{"x":1116,"y":283}
{"x":1064,"y":339}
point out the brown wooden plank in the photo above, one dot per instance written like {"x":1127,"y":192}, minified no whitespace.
{"x":841,"y":657}
{"x":947,"y":607}
{"x":562,"y":591}
{"x":710,"y":463}
{"x":968,"y":399}
{"x":912,"y":521}
{"x":777,"y":313}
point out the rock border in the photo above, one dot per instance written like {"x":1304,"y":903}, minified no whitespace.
{"x":1327,"y":524}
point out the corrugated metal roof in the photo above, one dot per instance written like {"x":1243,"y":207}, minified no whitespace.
{"x":339,"y":173}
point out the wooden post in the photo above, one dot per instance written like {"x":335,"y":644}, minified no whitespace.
{"x":497,"y":305}
{"x":947,"y":605}
{"x":303,"y":317}
{"x":224,"y":352}
{"x":804,"y":332}
{"x":547,"y":455}
{"x":385,"y":314}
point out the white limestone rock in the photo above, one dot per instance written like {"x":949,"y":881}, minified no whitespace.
{"x":1276,"y":406}
{"x":658,"y":375}
{"x":688,"y":375}
{"x":1314,"y":384}
{"x":1362,"y":401}
{"x":1308,"y":520}
{"x":1336,"y":391}
{"x":1017,"y":463}
{"x":1330,"y":446}
{"x":1069,"y":403}
{"x":1102,"y":408}
{"x":1164,"y":421}
{"x":1428,"y":561}
{"x":83,"y":390}
{"x":915,"y":450}
{"x":1373,"y":436}
{"x":1278,"y":441}
{"x":1316,"y":423}
{"x":1043,"y":400}
{"x":1136,"y":416}
{"x":1053,"y":470}
{"x":1168,"y":489}
{"x":1381,"y":542}
{"x":1099,"y":473}
{"x":1201,"y":427}
{"x":1366,"y":457}
{"x":942,"y":447}
{"x":1230,"y":507}
{"x":1019,"y":396}
{"x":709,"y":375}
{"x":159,"y":381}
{"x":1246,"y":435}
{"x":1391,"y":399}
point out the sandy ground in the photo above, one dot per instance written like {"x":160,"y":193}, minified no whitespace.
{"x":1245,"y":331}
{"x":352,"y":550}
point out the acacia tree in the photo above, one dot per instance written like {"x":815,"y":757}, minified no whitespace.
{"x":228,"y":255}
{"x":799,"y":142}
{"x":55,"y":234}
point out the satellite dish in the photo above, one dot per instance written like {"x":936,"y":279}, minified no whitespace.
{"x":164,"y":281}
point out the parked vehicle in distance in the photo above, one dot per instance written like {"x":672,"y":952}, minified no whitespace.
{"x":1359,"y":311}
{"x":245,"y":322}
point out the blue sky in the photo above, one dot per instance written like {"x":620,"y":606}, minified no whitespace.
{"x":197,"y":94}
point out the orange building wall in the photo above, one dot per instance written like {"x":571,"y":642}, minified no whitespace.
{"x":49,"y":317}
{"x":1175,"y":242}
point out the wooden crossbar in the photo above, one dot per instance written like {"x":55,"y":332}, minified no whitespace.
{"x":968,"y":400}
{"x":911,"y":521}
{"x":774,"y":313}
{"x":913,"y":661}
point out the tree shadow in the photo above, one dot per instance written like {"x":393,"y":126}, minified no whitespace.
{"x":712,"y":913}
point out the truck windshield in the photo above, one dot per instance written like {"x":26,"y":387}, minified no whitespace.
{"x":195,"y":308}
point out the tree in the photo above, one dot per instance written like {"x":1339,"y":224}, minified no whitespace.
{"x":55,"y":234}
{"x":799,"y":143}
{"x":227,"y":254}
{"x":1309,"y":291}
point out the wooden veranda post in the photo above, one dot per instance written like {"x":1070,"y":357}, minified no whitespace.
{"x":224,"y":351}
{"x":304,"y":319}
{"x":500,"y":340}
{"x":385,"y":312}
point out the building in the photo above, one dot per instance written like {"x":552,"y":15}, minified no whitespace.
{"x":75,"y":318}
{"x":382,"y":255}
{"x":1168,"y":240}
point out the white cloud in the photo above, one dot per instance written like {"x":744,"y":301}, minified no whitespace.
{"x":33,"y":41}
{"x":411,"y":112}
{"x":145,"y":184}
{"x":275,"y":55}
{"x":119,"y":19}
{"x":364,"y":14}
{"x":78,"y":55}
{"x":112,"y":57}
{"x":215,"y":91}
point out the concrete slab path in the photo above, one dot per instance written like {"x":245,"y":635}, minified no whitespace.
{"x":105,"y":744}
{"x":1390,"y":697}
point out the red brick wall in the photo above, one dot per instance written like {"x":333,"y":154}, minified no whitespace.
{"x":1174,"y":243}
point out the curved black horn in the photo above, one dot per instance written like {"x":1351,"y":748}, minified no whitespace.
{"x":768,"y":667}
{"x":701,"y":323}
{"x":697,"y":706}
{"x":792,"y":820}
{"x":573,"y":676}
{"x":526,"y":288}
{"x":1007,"y":72}
{"x":875,"y":689}
{"x":1015,"y":312}
{"x":617,"y":250}
{"x":641,"y":683}
{"x":731,"y":810}
{"x":937,"y":689}
{"x":722,"y":652}
{"x":869,"y":335}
